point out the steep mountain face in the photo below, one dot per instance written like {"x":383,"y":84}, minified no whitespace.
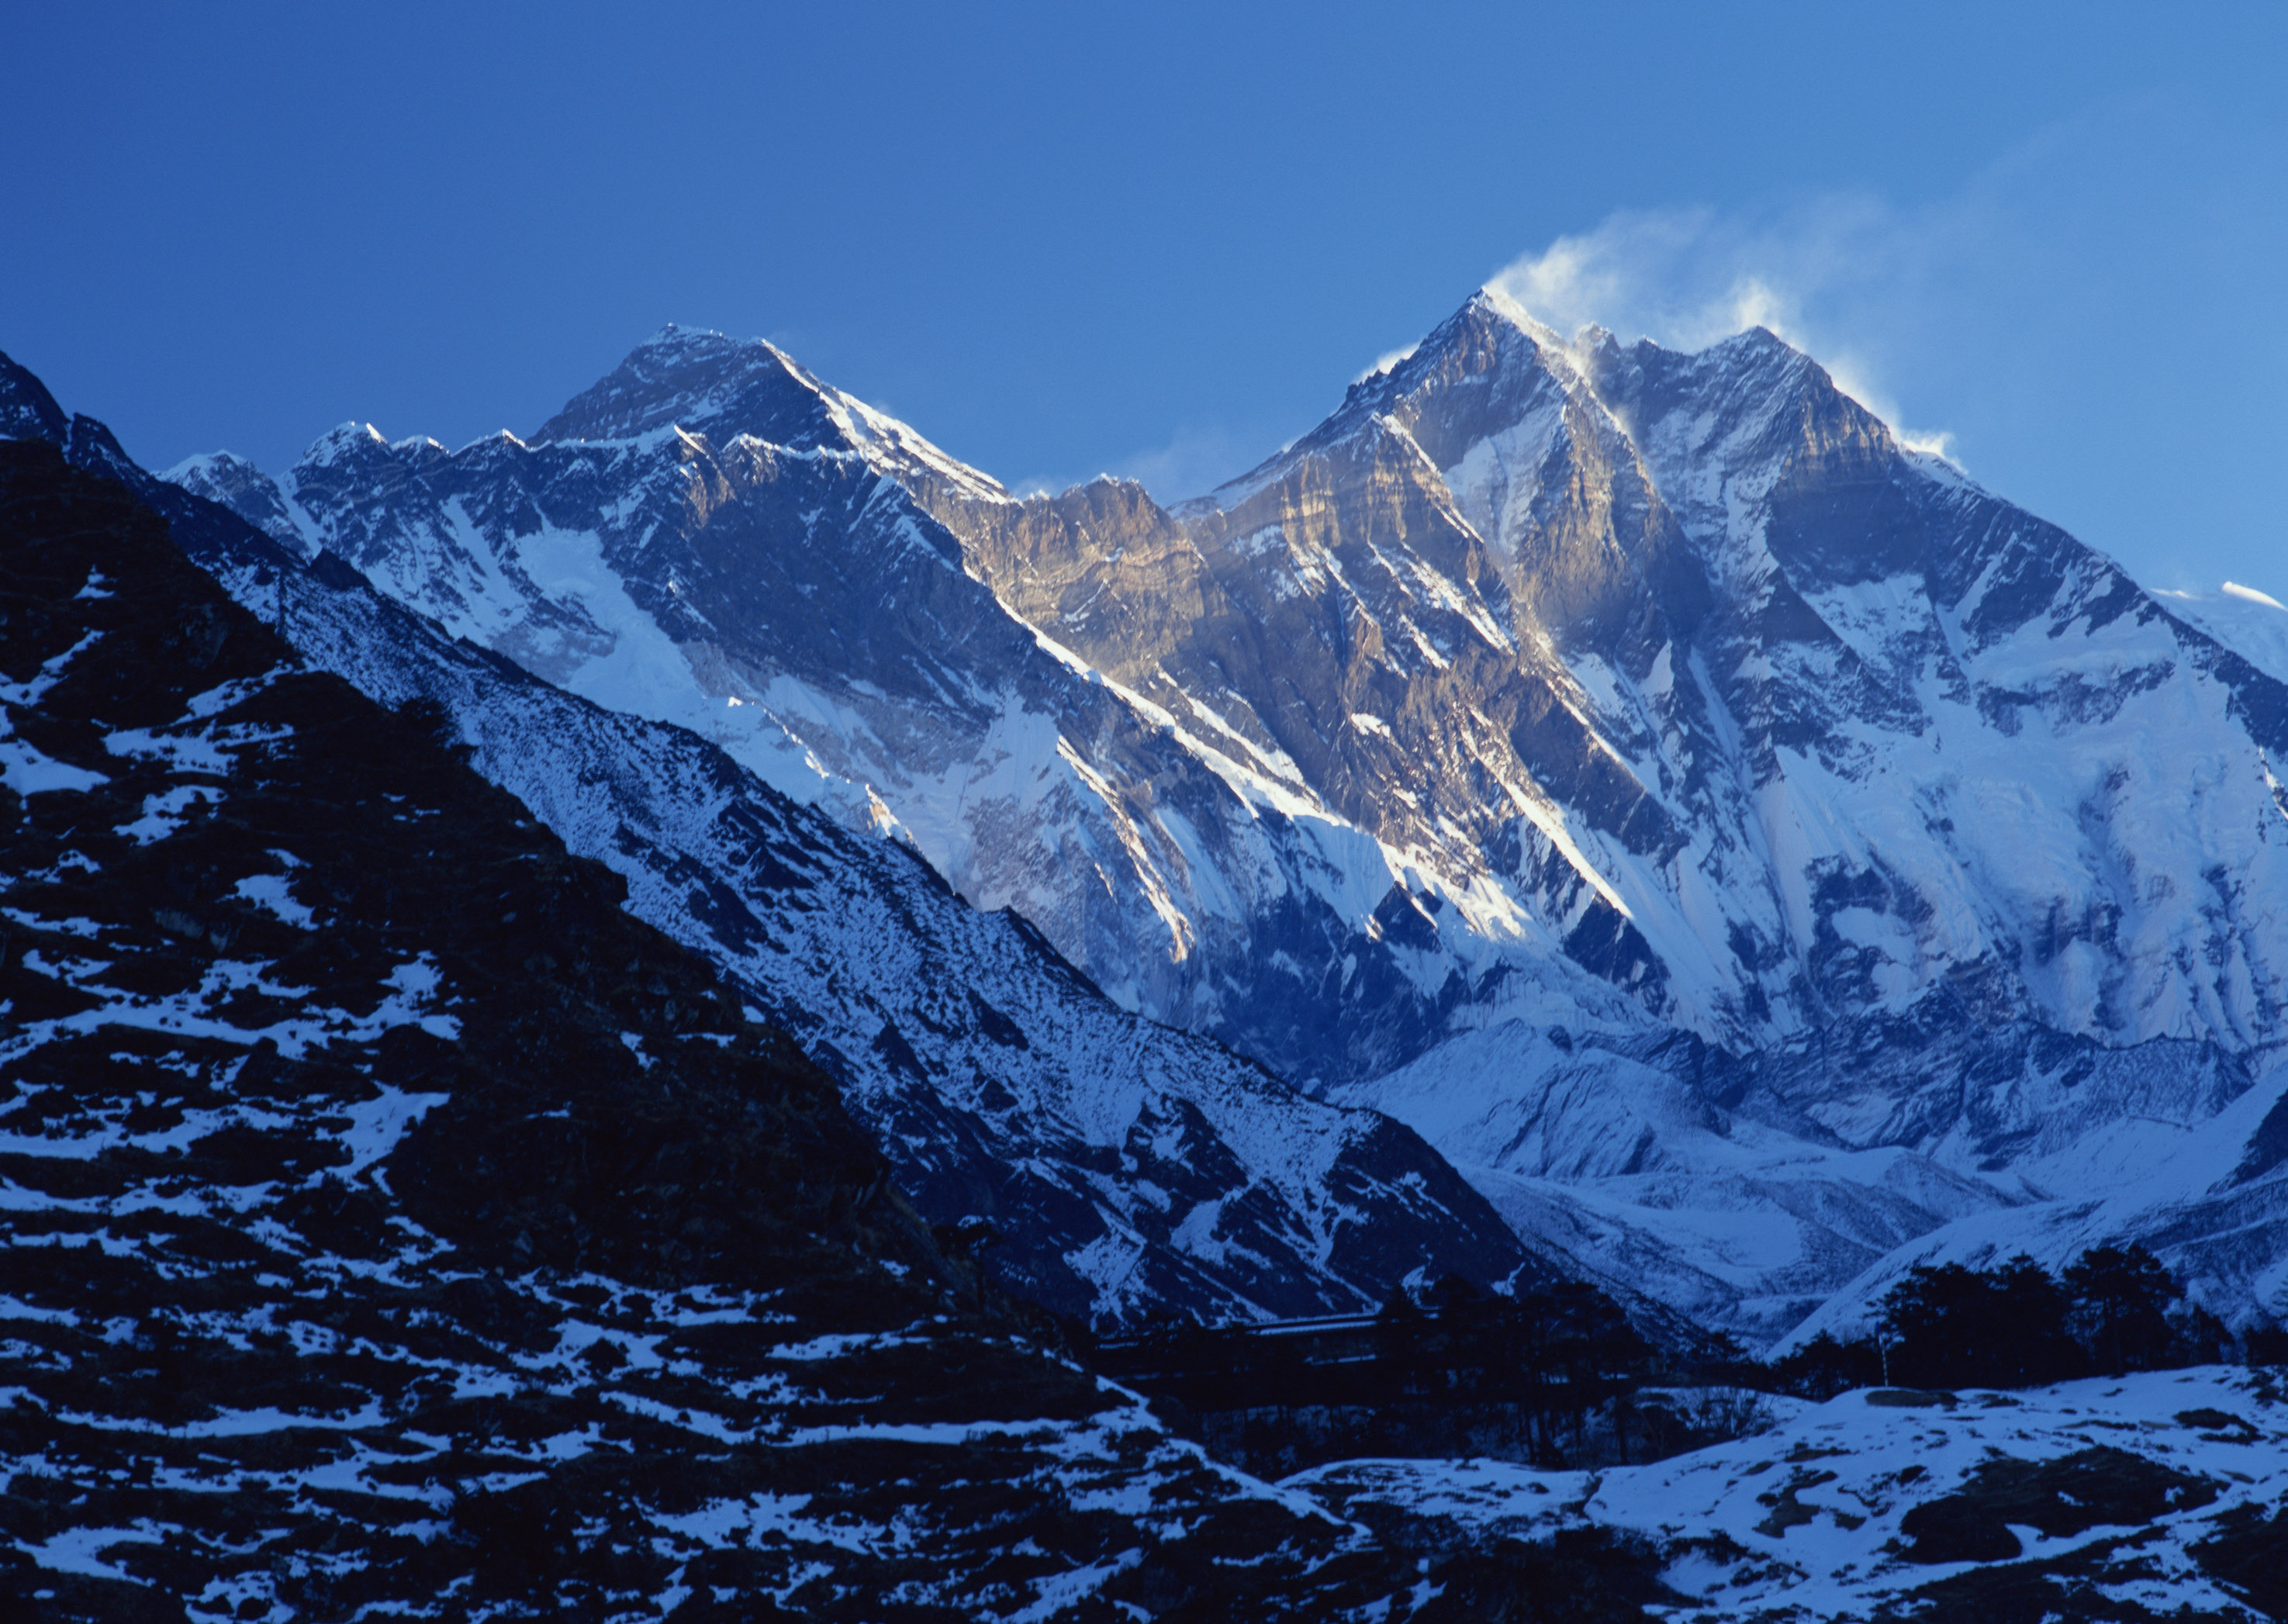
{"x":1775,"y":723}
{"x":1126,"y":1170}
{"x":1550,"y":689}
{"x":398,"y":1226}
{"x":1920,"y":809}
{"x":1336,"y":614}
{"x":1950,"y":816}
{"x":733,"y":546}
{"x":1875,"y":735}
{"x":1832,"y":731}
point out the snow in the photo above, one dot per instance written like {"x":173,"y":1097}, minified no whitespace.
{"x":1622,"y":1160}
{"x":187,"y":754}
{"x":184,"y":1013}
{"x":29,"y":770}
{"x":377,"y":1126}
{"x":2173,"y":1181}
{"x":164,"y":813}
{"x":33,"y":690}
{"x":274,"y":893}
{"x":2252,"y":625}
{"x":79,"y":1550}
{"x":1852,"y":1468}
{"x":34,"y":922}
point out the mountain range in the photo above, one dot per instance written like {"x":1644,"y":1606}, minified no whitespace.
{"x":1752,"y":856}
{"x":1741,"y":844}
{"x":394,"y":1225}
{"x":1121,"y":1167}
{"x":594,"y":1019}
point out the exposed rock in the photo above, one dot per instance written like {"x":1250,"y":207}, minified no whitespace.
{"x":395,"y":1224}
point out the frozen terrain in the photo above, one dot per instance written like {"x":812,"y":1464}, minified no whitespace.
{"x":1120,"y":1169}
{"x":1777,"y":829}
{"x":2149,"y":1497}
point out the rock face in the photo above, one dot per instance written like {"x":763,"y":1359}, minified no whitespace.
{"x":713,"y":537}
{"x":399,"y":1226}
{"x":1549,"y":686}
{"x":1781,"y":724}
{"x":1970,"y":846}
{"x":1126,"y":1170}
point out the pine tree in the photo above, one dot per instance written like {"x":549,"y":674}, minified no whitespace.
{"x":2027,"y":1331}
{"x":2120,"y":1298}
{"x":1936,"y":1326}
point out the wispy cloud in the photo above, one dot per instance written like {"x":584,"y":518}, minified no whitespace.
{"x":1194,"y":461}
{"x":1384,"y":361}
{"x":1688,"y":277}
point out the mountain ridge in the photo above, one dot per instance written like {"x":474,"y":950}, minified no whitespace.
{"x":1129,"y":1171}
{"x":400,"y":1226}
{"x":1548,"y":683}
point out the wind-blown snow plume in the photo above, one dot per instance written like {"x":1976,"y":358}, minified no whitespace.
{"x":1687,"y":278}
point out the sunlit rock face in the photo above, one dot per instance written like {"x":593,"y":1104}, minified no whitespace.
{"x":1820,"y":729}
{"x":1124,"y":1170}
{"x":1549,"y":685}
{"x":398,"y":1225}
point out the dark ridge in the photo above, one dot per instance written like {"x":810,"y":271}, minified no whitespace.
{"x":395,"y":1224}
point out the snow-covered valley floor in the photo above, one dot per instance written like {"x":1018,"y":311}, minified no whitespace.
{"x":2155,"y":1495}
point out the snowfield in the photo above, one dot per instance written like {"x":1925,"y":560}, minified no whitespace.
{"x":2122,"y":1499}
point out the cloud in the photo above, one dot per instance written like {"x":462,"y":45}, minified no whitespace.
{"x":1194,"y":461}
{"x":1686,"y":278}
{"x":1384,"y":361}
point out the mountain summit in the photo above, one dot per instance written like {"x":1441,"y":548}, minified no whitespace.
{"x":720,"y":389}
{"x":1793,"y":847}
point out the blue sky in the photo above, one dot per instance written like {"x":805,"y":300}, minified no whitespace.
{"x":1160,"y":240}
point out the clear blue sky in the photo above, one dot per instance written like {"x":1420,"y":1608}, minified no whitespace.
{"x":1160,"y":240}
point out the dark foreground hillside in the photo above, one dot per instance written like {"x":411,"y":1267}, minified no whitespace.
{"x":396,"y":1227}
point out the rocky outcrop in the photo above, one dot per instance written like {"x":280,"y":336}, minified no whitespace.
{"x":398,"y":1225}
{"x":1122,"y":1170}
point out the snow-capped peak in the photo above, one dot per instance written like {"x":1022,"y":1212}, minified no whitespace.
{"x":707,"y":383}
{"x":1492,"y":301}
{"x":211,"y":468}
{"x":344,"y":440}
{"x":690,"y":378}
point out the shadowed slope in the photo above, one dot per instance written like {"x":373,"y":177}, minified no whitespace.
{"x":394,"y":1224}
